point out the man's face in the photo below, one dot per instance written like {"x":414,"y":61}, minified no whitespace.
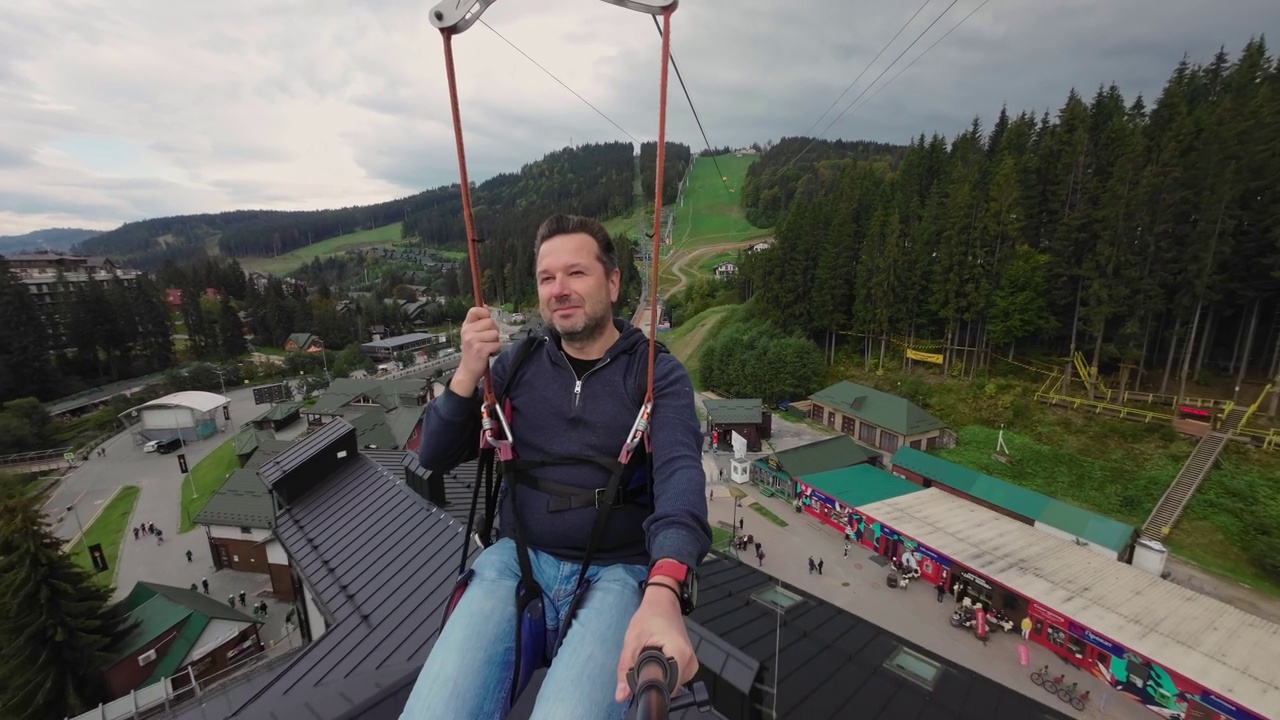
{"x":574,"y":295}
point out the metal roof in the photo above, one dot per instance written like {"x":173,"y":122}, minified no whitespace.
{"x":157,"y":608}
{"x":382,"y":561}
{"x":834,"y":452}
{"x":197,"y":400}
{"x":1097,"y":529}
{"x":830,"y":662}
{"x":893,"y":413}
{"x":859,"y":485}
{"x":1225,"y":649}
{"x":734,"y":412}
{"x":279,"y":411}
{"x":242,"y":501}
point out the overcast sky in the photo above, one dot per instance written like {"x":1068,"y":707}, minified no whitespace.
{"x":123,"y":110}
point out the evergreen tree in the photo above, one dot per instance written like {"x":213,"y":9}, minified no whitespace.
{"x":57,"y":631}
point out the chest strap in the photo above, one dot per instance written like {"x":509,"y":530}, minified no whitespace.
{"x":568,"y":497}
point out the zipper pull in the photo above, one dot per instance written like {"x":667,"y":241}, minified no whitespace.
{"x":577,"y":392}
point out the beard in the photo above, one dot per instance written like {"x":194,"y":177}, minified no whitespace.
{"x":590,"y":325}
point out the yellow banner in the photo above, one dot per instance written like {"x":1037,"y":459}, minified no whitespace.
{"x":935,"y":358}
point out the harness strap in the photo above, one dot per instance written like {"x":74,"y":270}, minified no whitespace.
{"x":568,"y":497}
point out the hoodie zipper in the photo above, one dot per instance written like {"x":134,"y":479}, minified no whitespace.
{"x":577,"y":381}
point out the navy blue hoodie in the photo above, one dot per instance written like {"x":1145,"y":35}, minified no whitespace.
{"x":555,"y":414}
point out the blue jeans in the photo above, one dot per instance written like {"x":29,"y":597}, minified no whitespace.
{"x":468,"y":674}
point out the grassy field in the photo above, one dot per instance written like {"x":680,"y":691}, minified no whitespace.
{"x":710,"y":214}
{"x":768,"y":514}
{"x":684,"y":341}
{"x":707,"y":265}
{"x":282,"y":264}
{"x":108,"y":529}
{"x":207,"y":476}
{"x":1114,"y":467}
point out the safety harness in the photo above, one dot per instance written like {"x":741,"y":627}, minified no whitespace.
{"x":532,"y":651}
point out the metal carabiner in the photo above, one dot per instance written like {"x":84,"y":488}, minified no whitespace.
{"x":501,"y":445}
{"x":639,"y":430}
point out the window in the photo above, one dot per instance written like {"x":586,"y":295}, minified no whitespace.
{"x":914,"y":666}
{"x":931,"y":443}
{"x":777,"y":599}
{"x":246,"y":531}
{"x":915,"y":444}
{"x":888,"y":441}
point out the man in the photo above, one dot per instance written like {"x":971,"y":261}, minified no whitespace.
{"x":573,"y":395}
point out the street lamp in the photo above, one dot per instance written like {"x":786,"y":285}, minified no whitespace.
{"x":84,"y":540}
{"x":222,"y":379}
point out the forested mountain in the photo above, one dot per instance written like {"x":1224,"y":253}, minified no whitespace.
{"x":595,"y":180}
{"x":1139,"y":235}
{"x":50,"y":239}
{"x":675,"y":163}
{"x":772,"y":180}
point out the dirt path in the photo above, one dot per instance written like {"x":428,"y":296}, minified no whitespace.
{"x":681,"y":258}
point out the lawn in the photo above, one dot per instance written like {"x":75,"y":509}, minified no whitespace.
{"x":710,"y":214}
{"x":207,"y":476}
{"x":282,"y":264}
{"x":108,"y":529}
{"x":768,"y":514}
{"x":684,"y":341}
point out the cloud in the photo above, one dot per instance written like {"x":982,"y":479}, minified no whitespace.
{"x":142,"y":108}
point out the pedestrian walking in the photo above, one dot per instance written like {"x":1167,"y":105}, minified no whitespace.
{"x":241,"y":598}
{"x":205,"y":583}
{"x":713,"y":494}
{"x":942,"y":591}
{"x":751,"y":540}
{"x":151,"y":528}
{"x":188,"y":556}
{"x":1026,"y":628}
{"x":255,"y":612}
{"x":760,"y":557}
{"x":262,"y":607}
{"x":740,"y":523}
{"x":846,"y":548}
{"x":819,"y":566}
{"x":812,"y":565}
{"x":231,"y":600}
{"x":159,"y":537}
{"x":135,"y":533}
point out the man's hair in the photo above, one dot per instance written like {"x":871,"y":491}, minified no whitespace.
{"x":558,"y":225}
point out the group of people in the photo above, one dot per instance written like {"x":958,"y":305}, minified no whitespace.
{"x":150,"y":529}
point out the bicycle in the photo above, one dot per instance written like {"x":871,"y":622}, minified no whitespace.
{"x":1068,"y":695}
{"x":653,"y":678}
{"x":1050,"y":685}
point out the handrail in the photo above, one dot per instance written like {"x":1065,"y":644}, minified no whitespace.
{"x":1119,"y":410}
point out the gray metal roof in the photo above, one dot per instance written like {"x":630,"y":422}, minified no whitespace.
{"x":278,"y":411}
{"x":242,"y":501}
{"x":382,"y":562}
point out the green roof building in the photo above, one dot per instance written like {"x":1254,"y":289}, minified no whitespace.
{"x":1089,"y":529}
{"x":778,"y":473}
{"x":878,"y":419}
{"x":176,"y":628}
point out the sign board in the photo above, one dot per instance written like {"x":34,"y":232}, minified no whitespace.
{"x":739,"y":445}
{"x":98,"y":557}
{"x":69,"y":457}
{"x":267,"y":394}
{"x":182,"y":463}
{"x":226,"y":412}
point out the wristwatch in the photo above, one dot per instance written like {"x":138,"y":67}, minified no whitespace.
{"x":686,"y":578}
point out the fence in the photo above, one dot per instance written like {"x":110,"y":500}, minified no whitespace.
{"x":163,"y":697}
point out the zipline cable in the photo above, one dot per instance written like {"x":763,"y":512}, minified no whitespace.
{"x":562,"y":83}
{"x":868,"y":67}
{"x":696,"y":119}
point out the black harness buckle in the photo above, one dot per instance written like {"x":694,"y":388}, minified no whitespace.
{"x":617,"y":498}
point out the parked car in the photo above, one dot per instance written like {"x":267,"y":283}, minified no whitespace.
{"x":167,"y":446}
{"x":151,"y":446}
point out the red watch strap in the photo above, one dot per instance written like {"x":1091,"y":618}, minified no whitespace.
{"x":677,"y":571}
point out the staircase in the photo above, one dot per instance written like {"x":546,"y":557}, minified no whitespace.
{"x":1184,"y":486}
